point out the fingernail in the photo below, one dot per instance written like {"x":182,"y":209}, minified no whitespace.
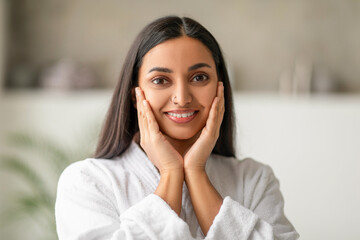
{"x":144,"y":102}
{"x":137,"y":91}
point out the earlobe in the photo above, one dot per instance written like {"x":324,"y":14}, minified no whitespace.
{"x":133,"y":97}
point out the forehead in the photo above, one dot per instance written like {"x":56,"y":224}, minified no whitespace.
{"x":178,"y":53}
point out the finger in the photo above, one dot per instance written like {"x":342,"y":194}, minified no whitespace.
{"x":221,"y":105}
{"x":138,"y":109}
{"x":216,"y":112}
{"x":220,"y":94}
{"x":218,"y":89}
{"x":211,"y":123}
{"x":144,"y":118}
{"x":141,"y":114}
{"x":151,"y":121}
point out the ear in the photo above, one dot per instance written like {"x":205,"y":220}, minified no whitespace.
{"x":133,"y":97}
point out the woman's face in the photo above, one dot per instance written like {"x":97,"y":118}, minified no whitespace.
{"x":179,"y":81}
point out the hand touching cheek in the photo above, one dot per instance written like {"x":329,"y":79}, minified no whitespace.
{"x":160,"y":152}
{"x":196,"y":157}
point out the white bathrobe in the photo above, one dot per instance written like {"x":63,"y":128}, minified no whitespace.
{"x":114,"y":199}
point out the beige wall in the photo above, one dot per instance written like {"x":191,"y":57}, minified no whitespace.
{"x":260,"y":39}
{"x":3,"y":8}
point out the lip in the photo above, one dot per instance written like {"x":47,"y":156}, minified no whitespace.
{"x":182,"y":119}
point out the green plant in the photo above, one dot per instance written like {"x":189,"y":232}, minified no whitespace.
{"x":36,"y":202}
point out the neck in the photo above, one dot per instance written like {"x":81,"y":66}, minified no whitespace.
{"x":182,"y":145}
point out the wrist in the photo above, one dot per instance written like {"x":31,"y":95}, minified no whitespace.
{"x":199,"y":169}
{"x":176,"y":172}
{"x":194,"y":173}
{"x":172,"y":176}
{"x":170,"y":188}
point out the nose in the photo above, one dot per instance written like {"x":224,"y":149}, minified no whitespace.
{"x":182,"y":95}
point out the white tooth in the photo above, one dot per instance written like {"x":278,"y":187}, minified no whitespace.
{"x":181,"y":115}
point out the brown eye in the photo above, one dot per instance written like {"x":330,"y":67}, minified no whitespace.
{"x":159,"y":81}
{"x":200,"y":78}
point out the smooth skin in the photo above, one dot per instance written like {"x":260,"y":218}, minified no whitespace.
{"x":180,"y":74}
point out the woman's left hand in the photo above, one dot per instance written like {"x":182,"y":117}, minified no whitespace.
{"x":195,"y":158}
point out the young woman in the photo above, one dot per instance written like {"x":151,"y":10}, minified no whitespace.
{"x":165,"y":166}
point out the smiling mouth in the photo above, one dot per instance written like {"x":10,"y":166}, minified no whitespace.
{"x":181,"y":116}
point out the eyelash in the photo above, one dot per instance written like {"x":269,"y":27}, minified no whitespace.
{"x":165,"y":80}
{"x":204,"y":75}
{"x":159,"y":78}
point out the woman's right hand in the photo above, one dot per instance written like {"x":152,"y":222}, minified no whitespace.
{"x":158,"y":149}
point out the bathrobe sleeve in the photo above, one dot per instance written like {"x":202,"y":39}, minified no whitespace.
{"x":85,"y":209}
{"x":263,"y":217}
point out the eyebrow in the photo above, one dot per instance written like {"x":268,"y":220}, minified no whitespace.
{"x":198,"y":65}
{"x":167,"y":70}
{"x":160,"y":69}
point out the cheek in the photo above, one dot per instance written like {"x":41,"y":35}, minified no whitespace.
{"x":157,"y":101}
{"x":206,"y":99}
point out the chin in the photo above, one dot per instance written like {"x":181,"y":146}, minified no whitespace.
{"x":181,"y":134}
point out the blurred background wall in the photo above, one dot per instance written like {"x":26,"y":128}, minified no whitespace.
{"x":262,"y":40}
{"x":3,"y":25}
{"x":294,"y":67}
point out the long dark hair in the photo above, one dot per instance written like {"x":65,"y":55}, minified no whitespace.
{"x":121,"y":122}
